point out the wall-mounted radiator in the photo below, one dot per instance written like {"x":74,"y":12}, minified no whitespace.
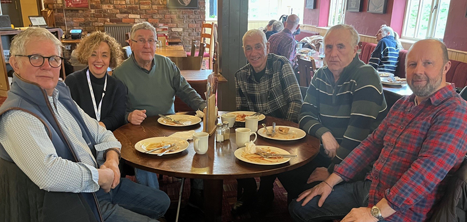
{"x":118,"y":31}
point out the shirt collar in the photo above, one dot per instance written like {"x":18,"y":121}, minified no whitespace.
{"x":287,"y":31}
{"x":266,"y":72}
{"x":441,"y":95}
{"x":145,"y":70}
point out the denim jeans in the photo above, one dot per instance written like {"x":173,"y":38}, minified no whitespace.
{"x":130,"y":201}
{"x":338,"y":204}
{"x":147,"y":178}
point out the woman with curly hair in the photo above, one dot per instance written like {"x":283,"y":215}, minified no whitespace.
{"x":100,"y":95}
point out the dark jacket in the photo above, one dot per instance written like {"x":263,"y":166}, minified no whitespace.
{"x":453,"y":205}
{"x":29,"y":97}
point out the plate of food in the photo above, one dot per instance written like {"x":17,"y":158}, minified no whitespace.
{"x":179,"y":120}
{"x":385,"y":74}
{"x":251,"y":156}
{"x":283,"y":133}
{"x":240,"y":115}
{"x":174,"y":144}
{"x":394,"y":82}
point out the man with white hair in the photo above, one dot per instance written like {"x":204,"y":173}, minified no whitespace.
{"x":283,"y":43}
{"x":62,"y":151}
{"x":385,"y":56}
{"x":267,"y":84}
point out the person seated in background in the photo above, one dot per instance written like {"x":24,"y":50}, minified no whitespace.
{"x":283,"y":43}
{"x":58,"y":146}
{"x":100,"y":95}
{"x":153,"y":81}
{"x":385,"y":56}
{"x":277,"y":26}
{"x":266,"y":85}
{"x":417,"y":145}
{"x":269,"y":26}
{"x":343,"y":105}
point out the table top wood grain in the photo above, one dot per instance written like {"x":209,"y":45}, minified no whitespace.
{"x":171,"y":51}
{"x":219,"y":162}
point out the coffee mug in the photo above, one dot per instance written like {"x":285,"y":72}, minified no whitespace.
{"x":229,"y":118}
{"x":242,"y":136}
{"x":200,"y":142}
{"x":251,"y":122}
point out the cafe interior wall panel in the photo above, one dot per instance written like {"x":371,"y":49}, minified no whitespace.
{"x":103,"y":12}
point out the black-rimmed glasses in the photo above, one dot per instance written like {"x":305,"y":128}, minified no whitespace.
{"x":38,"y":60}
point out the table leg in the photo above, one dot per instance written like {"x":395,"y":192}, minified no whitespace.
{"x":213,"y":190}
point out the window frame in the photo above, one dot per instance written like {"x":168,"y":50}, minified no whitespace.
{"x":432,"y":20}
{"x":333,"y":7}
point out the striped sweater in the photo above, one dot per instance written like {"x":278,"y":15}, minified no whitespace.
{"x":350,"y":108}
{"x":384,"y":57}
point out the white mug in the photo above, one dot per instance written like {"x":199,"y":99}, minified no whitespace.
{"x":200,"y":142}
{"x":229,"y":118}
{"x":251,"y":122}
{"x":242,"y":136}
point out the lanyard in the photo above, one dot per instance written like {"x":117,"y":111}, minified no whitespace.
{"x":97,"y":110}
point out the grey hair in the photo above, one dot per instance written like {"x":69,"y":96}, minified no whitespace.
{"x":386,"y":29}
{"x":353,"y":33}
{"x":142,"y":25}
{"x":18,"y":45}
{"x":277,"y":26}
{"x":253,"y":32}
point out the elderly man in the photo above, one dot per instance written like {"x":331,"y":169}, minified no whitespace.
{"x":58,"y":146}
{"x":385,"y":56}
{"x":344,"y":103}
{"x":153,"y":81}
{"x":283,"y":43}
{"x":267,"y":85}
{"x":420,"y":141}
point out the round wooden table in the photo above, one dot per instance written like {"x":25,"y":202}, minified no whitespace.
{"x":217,"y":164}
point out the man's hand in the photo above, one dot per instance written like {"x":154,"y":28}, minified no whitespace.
{"x":330,"y":144}
{"x":319,"y":174}
{"x":321,"y":189}
{"x":362,"y":214}
{"x":106,"y":177}
{"x":137,"y":116}
{"x":111,"y":162}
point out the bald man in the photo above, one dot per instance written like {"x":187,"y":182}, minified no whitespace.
{"x":283,"y":43}
{"x":415,"y":147}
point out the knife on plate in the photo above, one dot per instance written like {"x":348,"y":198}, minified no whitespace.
{"x":159,"y":148}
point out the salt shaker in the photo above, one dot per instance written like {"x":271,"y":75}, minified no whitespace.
{"x":226,"y":130}
{"x":219,"y":133}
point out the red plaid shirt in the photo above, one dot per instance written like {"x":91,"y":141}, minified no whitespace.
{"x":415,"y":147}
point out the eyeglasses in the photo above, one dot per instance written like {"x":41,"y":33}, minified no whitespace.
{"x":143,"y":41}
{"x":38,"y":60}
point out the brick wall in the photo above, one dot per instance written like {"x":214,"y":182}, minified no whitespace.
{"x":130,"y":12}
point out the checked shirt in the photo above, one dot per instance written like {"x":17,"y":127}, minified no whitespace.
{"x":415,"y":147}
{"x":276,"y":94}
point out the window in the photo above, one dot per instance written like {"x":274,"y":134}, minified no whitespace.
{"x":337,"y":12}
{"x":264,"y":10}
{"x":425,"y":19}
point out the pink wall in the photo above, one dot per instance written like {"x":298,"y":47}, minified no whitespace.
{"x":324,"y":12}
{"x":367,"y":23}
{"x":311,"y":16}
{"x":397,"y":18}
{"x":456,"y":26}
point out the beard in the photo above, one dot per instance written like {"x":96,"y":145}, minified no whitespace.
{"x":431,"y":86}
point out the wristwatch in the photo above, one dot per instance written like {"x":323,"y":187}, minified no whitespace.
{"x":375,"y":212}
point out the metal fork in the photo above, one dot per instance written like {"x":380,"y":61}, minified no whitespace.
{"x":170,"y":119}
{"x":266,"y":129}
{"x":164,"y":147}
{"x":256,"y":114}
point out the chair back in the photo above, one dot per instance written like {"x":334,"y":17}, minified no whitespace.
{"x":126,"y":52}
{"x":209,"y":37}
{"x":190,"y":62}
{"x":306,"y":69}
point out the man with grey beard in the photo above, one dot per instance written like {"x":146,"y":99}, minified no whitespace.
{"x":419,"y":142}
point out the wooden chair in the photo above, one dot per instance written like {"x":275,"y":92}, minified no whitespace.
{"x":306,"y":71}
{"x":209,"y":37}
{"x":190,"y":62}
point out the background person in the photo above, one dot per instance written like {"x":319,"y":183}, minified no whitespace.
{"x":386,"y":54}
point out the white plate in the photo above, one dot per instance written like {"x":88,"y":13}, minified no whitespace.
{"x":246,"y":113}
{"x":187,"y":120}
{"x":385,"y":74}
{"x":258,"y":160}
{"x":292,"y":134}
{"x":397,"y":83}
{"x":151,"y":143}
